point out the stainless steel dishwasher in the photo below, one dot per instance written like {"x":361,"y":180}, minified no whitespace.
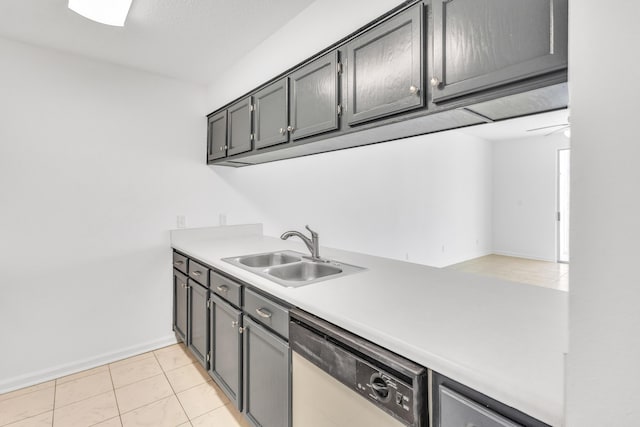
{"x":342,"y":380}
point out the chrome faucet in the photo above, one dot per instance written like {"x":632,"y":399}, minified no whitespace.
{"x":312,"y":244}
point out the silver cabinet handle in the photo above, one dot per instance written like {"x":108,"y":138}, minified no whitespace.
{"x":290,"y":128}
{"x":179,"y":262}
{"x":234,"y":324}
{"x":414,"y":90}
{"x":262,"y":312}
{"x":434,"y":81}
{"x":221,"y":148}
{"x":197,"y":273}
{"x":282,"y":131}
{"x":241,"y":329}
{"x":223,"y":288}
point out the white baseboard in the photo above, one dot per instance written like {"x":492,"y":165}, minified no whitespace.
{"x":48,"y":374}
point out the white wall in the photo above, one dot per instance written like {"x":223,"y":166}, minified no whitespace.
{"x":427,"y":197}
{"x":524,"y":196}
{"x":603,"y":378}
{"x":321,"y":24}
{"x":96,"y":161}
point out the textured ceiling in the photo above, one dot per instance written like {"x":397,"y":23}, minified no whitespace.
{"x":191,"y":40}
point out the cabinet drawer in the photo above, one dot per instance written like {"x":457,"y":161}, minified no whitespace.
{"x":180,"y":262}
{"x":226,"y":288}
{"x":457,"y":410}
{"x":199,"y":273}
{"x":267,"y":312}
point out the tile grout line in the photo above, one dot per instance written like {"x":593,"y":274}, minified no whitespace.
{"x":172,"y":389}
{"x":114,"y":394}
{"x":53,"y":410}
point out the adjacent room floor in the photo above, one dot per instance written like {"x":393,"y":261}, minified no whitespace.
{"x":162,"y":388}
{"x":541,"y":273}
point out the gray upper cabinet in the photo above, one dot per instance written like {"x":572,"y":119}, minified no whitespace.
{"x":481,"y":44}
{"x":239,"y":136}
{"x":226,"y":348}
{"x":267,"y":385}
{"x":198,"y":331}
{"x":314,"y":97}
{"x":217,"y":136}
{"x":385,"y":68}
{"x":270,"y":119}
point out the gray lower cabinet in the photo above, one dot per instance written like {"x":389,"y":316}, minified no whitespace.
{"x":456,"y":405}
{"x":239,"y":137}
{"x":267,"y":387}
{"x":180,"y":305}
{"x":481,"y":44}
{"x":226,"y":348}
{"x":198,"y":329}
{"x":385,"y":68}
{"x":271,"y":114}
{"x":217,"y":136}
{"x":314,"y":97}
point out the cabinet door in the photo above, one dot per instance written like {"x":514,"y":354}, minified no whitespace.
{"x":270,"y":118}
{"x":217,"y":136}
{"x":385,"y":68}
{"x":180,"y":305}
{"x":480,"y":44}
{"x":267,"y":387}
{"x":226,"y":349}
{"x":314,"y":97}
{"x":239,"y":127}
{"x":198,"y":331}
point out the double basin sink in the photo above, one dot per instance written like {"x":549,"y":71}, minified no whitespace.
{"x":291,"y":269}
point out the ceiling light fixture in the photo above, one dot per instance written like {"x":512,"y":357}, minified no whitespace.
{"x":109,"y":12}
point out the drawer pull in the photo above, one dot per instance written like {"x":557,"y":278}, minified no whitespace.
{"x":262,"y":312}
{"x":197,"y":273}
{"x":223,"y":289}
{"x":234,"y":324}
{"x":179,"y":262}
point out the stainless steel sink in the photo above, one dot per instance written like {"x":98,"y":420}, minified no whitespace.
{"x":291,"y":269}
{"x":303,"y":271}
{"x":268,"y":260}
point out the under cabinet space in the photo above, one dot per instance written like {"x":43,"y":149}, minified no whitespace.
{"x":314,"y":97}
{"x":384,"y":68}
{"x":479,"y":45}
{"x":271,"y":112}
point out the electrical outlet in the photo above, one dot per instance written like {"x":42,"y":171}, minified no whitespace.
{"x":181,"y":221}
{"x":222,"y":219}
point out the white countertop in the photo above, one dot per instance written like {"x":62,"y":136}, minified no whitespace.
{"x":504,"y":339}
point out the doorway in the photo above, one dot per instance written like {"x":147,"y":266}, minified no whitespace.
{"x":564,"y":190}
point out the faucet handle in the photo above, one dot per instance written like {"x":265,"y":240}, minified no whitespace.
{"x":313,"y":233}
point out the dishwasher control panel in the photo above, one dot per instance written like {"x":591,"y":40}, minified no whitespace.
{"x":389,"y":393}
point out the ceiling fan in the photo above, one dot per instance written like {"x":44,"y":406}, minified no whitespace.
{"x":566,"y":127}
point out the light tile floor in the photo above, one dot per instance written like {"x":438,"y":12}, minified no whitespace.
{"x":541,"y":273}
{"x":162,"y":388}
